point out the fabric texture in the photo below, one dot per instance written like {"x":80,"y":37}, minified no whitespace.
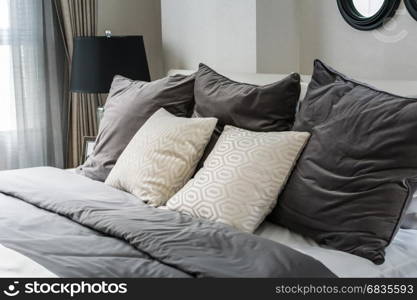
{"x":400,"y":258}
{"x":242,"y":177}
{"x":32,"y":106}
{"x":99,"y":231}
{"x":259,"y":108}
{"x":410,"y":219}
{"x":357,"y":174}
{"x":161,"y":157}
{"x":129,"y":105}
{"x":78,"y":19}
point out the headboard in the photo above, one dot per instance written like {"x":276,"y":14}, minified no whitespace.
{"x":398,"y":87}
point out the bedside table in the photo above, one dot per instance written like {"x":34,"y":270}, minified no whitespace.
{"x":89,"y":143}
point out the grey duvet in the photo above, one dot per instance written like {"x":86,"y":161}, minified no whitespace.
{"x":77,"y":227}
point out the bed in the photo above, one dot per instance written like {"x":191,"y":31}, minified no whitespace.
{"x":55,"y":223}
{"x":52,"y":238}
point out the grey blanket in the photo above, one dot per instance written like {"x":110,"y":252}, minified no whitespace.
{"x":76,"y":227}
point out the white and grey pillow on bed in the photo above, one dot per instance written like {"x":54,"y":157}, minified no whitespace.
{"x":241,"y":178}
{"x":161,"y":157}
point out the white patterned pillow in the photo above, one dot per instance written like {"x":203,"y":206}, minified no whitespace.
{"x":242,"y":177}
{"x":161,"y":157}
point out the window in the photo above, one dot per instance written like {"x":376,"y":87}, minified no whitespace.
{"x":7,"y":102}
{"x":31,"y":85}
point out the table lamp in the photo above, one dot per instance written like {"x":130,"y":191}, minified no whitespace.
{"x":96,"y":60}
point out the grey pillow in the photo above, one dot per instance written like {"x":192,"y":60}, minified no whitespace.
{"x":358,"y":172}
{"x":258,"y":108}
{"x":129,"y":105}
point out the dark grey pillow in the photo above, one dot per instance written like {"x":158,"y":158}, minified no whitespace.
{"x":358,"y":172}
{"x":257,"y":108}
{"x":129,"y":104}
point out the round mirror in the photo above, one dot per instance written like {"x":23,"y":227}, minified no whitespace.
{"x":412,"y":7}
{"x":368,"y":8}
{"x":367,"y":14}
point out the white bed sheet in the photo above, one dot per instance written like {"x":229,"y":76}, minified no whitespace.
{"x":400,"y":260}
{"x":16,"y":265}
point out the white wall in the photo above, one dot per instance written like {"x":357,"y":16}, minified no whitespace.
{"x":220,"y":33}
{"x":281,"y":36}
{"x":135,"y":17}
{"x":231,"y":35}
{"x":386,"y":54}
{"x":278,"y":42}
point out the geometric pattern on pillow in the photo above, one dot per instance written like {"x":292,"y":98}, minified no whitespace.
{"x":161,"y":157}
{"x":241,"y":178}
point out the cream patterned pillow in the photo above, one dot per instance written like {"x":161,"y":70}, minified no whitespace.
{"x":242,"y":177}
{"x":161,"y":157}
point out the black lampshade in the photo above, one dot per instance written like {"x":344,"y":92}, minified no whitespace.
{"x":96,"y":60}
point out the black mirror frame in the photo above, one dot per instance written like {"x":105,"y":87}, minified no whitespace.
{"x":412,"y":7}
{"x":357,"y":21}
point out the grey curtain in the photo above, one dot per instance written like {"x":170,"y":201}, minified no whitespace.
{"x":78,"y":18}
{"x":32,"y":107}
